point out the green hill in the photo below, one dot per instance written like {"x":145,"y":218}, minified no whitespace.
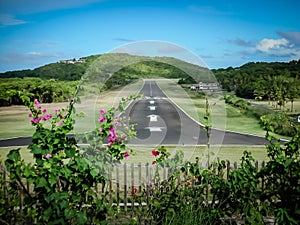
{"x":101,"y":72}
{"x":251,"y":78}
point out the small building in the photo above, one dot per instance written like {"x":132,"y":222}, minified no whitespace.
{"x":201,"y":86}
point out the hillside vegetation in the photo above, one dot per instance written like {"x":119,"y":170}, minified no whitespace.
{"x":93,"y":74}
{"x":277,"y":82}
{"x":262,"y":80}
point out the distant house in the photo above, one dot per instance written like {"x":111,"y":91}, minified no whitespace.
{"x":206,"y":87}
{"x":72,"y":61}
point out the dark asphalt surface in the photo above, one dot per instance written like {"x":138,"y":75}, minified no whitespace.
{"x":160,"y":122}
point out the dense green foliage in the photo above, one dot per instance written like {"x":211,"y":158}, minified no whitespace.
{"x":63,"y":178}
{"x":282,"y":123}
{"x":58,"y":70}
{"x":46,"y":91}
{"x":275,"y":81}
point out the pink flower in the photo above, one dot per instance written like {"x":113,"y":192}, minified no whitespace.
{"x":112,"y":133}
{"x":100,"y":130}
{"x":47,"y":117}
{"x":36,"y":102}
{"x":48,"y":156}
{"x":126,"y":154}
{"x":56,"y":111}
{"x":101,"y":119}
{"x":155,"y":153}
{"x":44,"y":110}
{"x":117,"y":117}
{"x":59,"y":123}
{"x":35,"y":120}
{"x":102,"y":111}
{"x":30,"y":115}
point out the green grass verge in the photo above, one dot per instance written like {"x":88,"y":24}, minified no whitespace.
{"x":143,"y":153}
{"x":223,"y":116}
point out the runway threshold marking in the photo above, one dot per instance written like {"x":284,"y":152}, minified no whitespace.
{"x":155,"y":129}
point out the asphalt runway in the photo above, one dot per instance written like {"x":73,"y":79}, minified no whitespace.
{"x":160,"y":122}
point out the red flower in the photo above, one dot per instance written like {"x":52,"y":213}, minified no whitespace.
{"x":155,"y":153}
{"x":153,"y":162}
{"x":133,"y":192}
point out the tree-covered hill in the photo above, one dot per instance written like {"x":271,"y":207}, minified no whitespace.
{"x":97,"y":72}
{"x":113,"y":63}
{"x":64,"y":70}
{"x":251,"y":78}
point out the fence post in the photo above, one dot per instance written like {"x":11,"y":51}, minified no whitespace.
{"x":147,"y":182}
{"x":235,"y":165}
{"x":118,"y":185}
{"x":125,"y":186}
{"x":227,"y":169}
{"x":263,"y":164}
{"x":140,"y":176}
{"x":110,"y":188}
{"x":132,"y":184}
{"x":256,"y":165}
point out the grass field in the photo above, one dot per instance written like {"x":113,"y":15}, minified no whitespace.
{"x":15,"y":122}
{"x":143,"y":153}
{"x":223,"y":116}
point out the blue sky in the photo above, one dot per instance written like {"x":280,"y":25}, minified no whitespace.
{"x":222,"y":32}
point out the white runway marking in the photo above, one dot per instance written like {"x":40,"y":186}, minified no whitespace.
{"x":155,"y":129}
{"x":152,"y":108}
{"x":153,"y":118}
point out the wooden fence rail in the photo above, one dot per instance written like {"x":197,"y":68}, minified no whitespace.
{"x":129,"y":180}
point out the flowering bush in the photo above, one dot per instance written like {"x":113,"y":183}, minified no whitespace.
{"x":63,"y":176}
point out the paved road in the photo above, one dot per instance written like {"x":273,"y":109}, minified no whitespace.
{"x":160,"y":122}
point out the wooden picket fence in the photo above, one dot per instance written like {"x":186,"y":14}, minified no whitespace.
{"x":129,"y":180}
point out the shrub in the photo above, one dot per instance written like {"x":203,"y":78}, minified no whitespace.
{"x":280,"y":123}
{"x":63,"y":177}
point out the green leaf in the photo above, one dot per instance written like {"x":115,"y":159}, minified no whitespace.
{"x":81,"y":218}
{"x":94,"y":173}
{"x":14,"y":155}
{"x":69,"y":213}
{"x":47,"y":213}
{"x":42,"y":182}
{"x":52,"y":179}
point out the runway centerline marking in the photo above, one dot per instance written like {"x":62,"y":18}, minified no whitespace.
{"x":152,"y":107}
{"x":153,"y":118}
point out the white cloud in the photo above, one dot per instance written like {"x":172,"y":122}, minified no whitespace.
{"x":279,"y":48}
{"x":270,"y":45}
{"x":10,"y":20}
